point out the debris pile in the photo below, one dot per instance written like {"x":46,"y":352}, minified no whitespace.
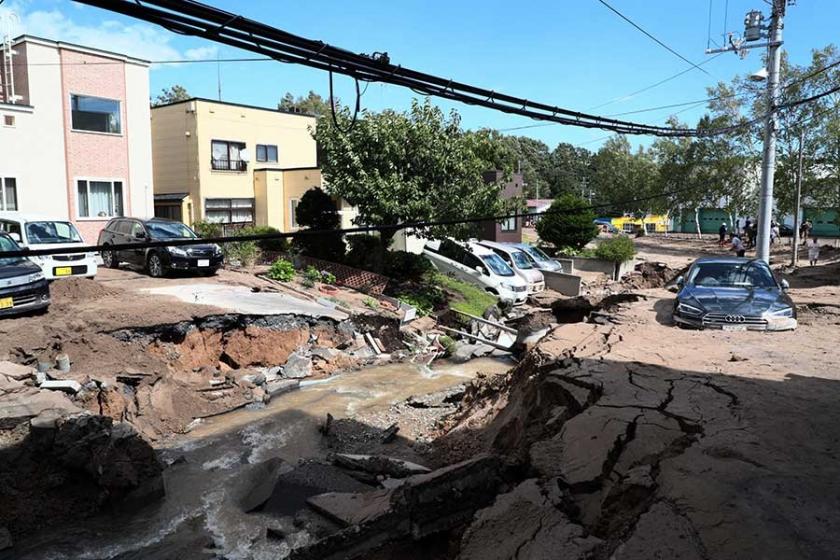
{"x":649,"y":275}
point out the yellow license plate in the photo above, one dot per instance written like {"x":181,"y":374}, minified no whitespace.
{"x":6,"y":303}
{"x":63,"y":271}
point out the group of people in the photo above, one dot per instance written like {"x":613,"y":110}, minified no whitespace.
{"x":750,"y":235}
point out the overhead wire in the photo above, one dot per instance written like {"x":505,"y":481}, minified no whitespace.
{"x":194,"y":18}
{"x":648,"y":34}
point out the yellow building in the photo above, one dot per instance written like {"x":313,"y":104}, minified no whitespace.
{"x":653,"y":223}
{"x":233,"y":164}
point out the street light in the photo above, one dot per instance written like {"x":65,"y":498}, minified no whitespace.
{"x":759,"y":75}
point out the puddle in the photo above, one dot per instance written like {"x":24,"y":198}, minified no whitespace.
{"x":217,"y":458}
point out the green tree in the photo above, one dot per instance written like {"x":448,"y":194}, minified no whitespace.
{"x":317,"y":211}
{"x":312,"y":104}
{"x":171,"y":95}
{"x":569,"y":222}
{"x":406,"y":167}
{"x":569,"y":170}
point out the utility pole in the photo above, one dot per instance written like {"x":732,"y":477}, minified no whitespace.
{"x":753,"y":31}
{"x":798,"y":205}
{"x":768,"y":164}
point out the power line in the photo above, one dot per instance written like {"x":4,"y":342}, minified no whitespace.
{"x":658,"y":42}
{"x":193,"y":18}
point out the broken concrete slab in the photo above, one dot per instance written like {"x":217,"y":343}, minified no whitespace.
{"x":10,"y":385}
{"x":280,"y":386}
{"x":15,"y":371}
{"x":307,"y":479}
{"x":298,"y":366}
{"x":66,"y":385}
{"x":262,"y":480}
{"x":379,"y":464}
{"x":353,"y":508}
{"x":463,"y":353}
{"x":525,"y":523}
{"x":16,"y":408}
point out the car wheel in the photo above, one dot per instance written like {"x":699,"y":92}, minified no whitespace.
{"x":155,"y":266}
{"x":109,"y":259}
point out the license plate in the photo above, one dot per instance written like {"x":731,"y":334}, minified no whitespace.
{"x":62,"y":271}
{"x":6,"y":303}
{"x":203,"y":262}
{"x":734,"y":328}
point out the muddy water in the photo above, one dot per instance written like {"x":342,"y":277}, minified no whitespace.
{"x":217,"y":463}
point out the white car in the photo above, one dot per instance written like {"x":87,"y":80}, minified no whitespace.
{"x":477,"y":265}
{"x":521,"y":263}
{"x":32,"y":231}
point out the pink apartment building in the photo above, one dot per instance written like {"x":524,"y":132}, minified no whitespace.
{"x":75,"y":133}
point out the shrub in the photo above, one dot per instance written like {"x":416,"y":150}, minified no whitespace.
{"x":370,"y":302}
{"x":279,"y":245}
{"x":328,"y":277}
{"x":207,"y":229}
{"x":281,"y":270}
{"x":365,"y":252}
{"x":404,"y":266}
{"x":310,"y":276}
{"x":448,"y":344}
{"x":317,"y":211}
{"x":568,"y":222}
{"x":617,"y":249}
{"x":245,"y":253}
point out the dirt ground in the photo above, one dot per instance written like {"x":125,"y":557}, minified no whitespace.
{"x":660,"y":442}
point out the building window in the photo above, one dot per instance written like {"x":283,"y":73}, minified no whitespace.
{"x":293,"y":204}
{"x":95,"y":114}
{"x":100,"y":199}
{"x":227,"y":156}
{"x":8,"y":194}
{"x":8,"y":120}
{"x":229,"y":210}
{"x":508,"y":224}
{"x":267,"y":153}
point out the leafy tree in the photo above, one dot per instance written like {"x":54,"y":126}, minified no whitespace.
{"x":568,"y":223}
{"x":317,"y":211}
{"x":414,"y":166}
{"x":171,"y":95}
{"x":312,"y":104}
{"x":569,"y":170}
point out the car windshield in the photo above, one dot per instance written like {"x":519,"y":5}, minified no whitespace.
{"x":535,"y":253}
{"x":521,"y":260}
{"x":44,"y":233}
{"x":497,"y":265}
{"x":751,"y":274}
{"x":169,"y":230}
{"x":7,"y":244}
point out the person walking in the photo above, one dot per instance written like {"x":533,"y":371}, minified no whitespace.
{"x":722,"y":235}
{"x":813,"y":251}
{"x":737,"y":245}
{"x":805,"y":231}
{"x":774,"y":233}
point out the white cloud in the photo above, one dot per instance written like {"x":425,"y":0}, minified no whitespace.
{"x":139,"y":40}
{"x":202,"y":53}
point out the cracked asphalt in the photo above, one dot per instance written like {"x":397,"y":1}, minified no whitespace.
{"x":641,"y":440}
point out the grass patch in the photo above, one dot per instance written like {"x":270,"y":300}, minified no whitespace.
{"x":466,"y":297}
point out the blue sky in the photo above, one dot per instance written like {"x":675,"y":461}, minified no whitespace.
{"x":576,"y":54}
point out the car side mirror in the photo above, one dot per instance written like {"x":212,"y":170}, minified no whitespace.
{"x":481,"y":270}
{"x":15,"y":237}
{"x":680,"y":281}
{"x":140,"y":235}
{"x":785,"y":285}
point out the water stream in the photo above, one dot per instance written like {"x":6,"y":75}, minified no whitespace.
{"x":219,"y":461}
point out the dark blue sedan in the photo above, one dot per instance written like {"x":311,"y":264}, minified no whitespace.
{"x":733,"y":294}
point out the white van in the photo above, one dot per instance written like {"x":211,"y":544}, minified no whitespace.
{"x":32,"y":231}
{"x":477,"y":265}
{"x":521,"y":263}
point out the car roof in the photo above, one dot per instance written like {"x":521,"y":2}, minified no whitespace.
{"x":726,"y":260}
{"x":510,"y":248}
{"x":30,"y":217}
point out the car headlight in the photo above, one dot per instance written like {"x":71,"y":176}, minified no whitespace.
{"x":690,"y":310}
{"x":177,"y":251}
{"x":217,"y":250}
{"x":780,"y":312}
{"x":36,"y":276}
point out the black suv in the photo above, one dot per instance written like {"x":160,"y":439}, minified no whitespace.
{"x":157,"y":261}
